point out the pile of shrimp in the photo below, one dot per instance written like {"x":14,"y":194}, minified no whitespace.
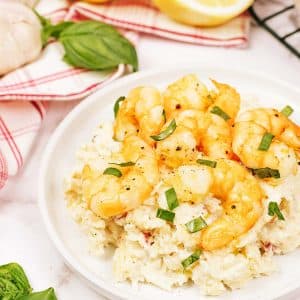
{"x":196,"y":141}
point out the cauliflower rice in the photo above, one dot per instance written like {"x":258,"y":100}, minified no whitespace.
{"x":149,"y":249}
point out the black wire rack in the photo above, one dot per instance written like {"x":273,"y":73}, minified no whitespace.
{"x":291,"y":38}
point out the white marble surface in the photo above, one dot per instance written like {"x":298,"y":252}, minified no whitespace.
{"x":23,"y":236}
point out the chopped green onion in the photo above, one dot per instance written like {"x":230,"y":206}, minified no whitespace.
{"x":165,"y":215}
{"x":171,"y":198}
{"x":196,"y":225}
{"x":221,"y":113}
{"x":287,"y":111}
{"x":112,"y":171}
{"x":273,"y":209}
{"x":167,"y":132}
{"x":191,"y":259}
{"x":164,"y":115}
{"x":124,"y":164}
{"x":117,"y":105}
{"x":206,"y":162}
{"x":266,"y":142}
{"x":266,"y":173}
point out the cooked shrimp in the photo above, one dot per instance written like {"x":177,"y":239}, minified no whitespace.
{"x":178,"y":148}
{"x":230,"y":182}
{"x":136,"y":150}
{"x":228,"y":99}
{"x":212,"y":133}
{"x":242,"y":201}
{"x":186,"y":93}
{"x":282,"y":153}
{"x":191,"y":182}
{"x":141,"y":113}
{"x":108,"y":195}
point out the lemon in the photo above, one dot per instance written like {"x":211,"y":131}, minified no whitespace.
{"x":203,"y":12}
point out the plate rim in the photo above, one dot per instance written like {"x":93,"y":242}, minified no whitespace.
{"x":100,"y":285}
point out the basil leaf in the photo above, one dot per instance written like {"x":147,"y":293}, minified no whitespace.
{"x":165,"y":215}
{"x":165,"y":133}
{"x":206,"y":162}
{"x":96,"y":46}
{"x":49,"y":30}
{"x":171,"y":197}
{"x":196,"y":225}
{"x":191,"y":259}
{"x":287,"y":111}
{"x":124,"y":164}
{"x":13,"y":282}
{"x":113,"y":172}
{"x":266,"y":173}
{"x":117,"y":105}
{"x":266,"y":142}
{"x":273,"y":209}
{"x":53,"y":31}
{"x":48,"y":294}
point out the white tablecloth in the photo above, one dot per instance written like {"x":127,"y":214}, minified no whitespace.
{"x":23,"y":236}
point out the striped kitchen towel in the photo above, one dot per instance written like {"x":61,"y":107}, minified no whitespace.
{"x":23,"y":93}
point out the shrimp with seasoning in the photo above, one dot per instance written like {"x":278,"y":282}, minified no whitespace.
{"x":108,"y":195}
{"x":230,"y":182}
{"x":141,"y":113}
{"x":249,"y":130}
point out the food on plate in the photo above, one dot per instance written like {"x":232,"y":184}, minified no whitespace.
{"x":267,"y":138}
{"x":20,"y":33}
{"x":203,"y":12}
{"x":190,"y":184}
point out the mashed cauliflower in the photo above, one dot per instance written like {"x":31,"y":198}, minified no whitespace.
{"x":149,"y":249}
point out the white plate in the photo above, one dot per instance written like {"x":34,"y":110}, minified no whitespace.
{"x":77,"y":129}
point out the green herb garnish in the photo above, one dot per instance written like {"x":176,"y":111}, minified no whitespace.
{"x":206,"y":162}
{"x":266,"y":142}
{"x":48,"y":294}
{"x":112,"y":171}
{"x":171,"y":198}
{"x":273,"y":209}
{"x":266,"y":173}
{"x":14,"y":285}
{"x":287,"y":111}
{"x":124,"y":164}
{"x":117,"y":105}
{"x":196,"y":225}
{"x":165,"y":215}
{"x":167,"y":132}
{"x":96,"y":46}
{"x":164,"y":115}
{"x":221,"y":113}
{"x":13,"y":282}
{"x":191,"y":259}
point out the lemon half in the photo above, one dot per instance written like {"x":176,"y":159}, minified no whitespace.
{"x":203,"y":12}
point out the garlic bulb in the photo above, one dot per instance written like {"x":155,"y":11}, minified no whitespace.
{"x":20,"y":35}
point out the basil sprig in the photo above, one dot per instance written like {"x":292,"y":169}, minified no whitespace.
{"x":96,"y":46}
{"x":13,"y":282}
{"x":48,"y":294}
{"x":90,"y":44}
{"x":14,"y":285}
